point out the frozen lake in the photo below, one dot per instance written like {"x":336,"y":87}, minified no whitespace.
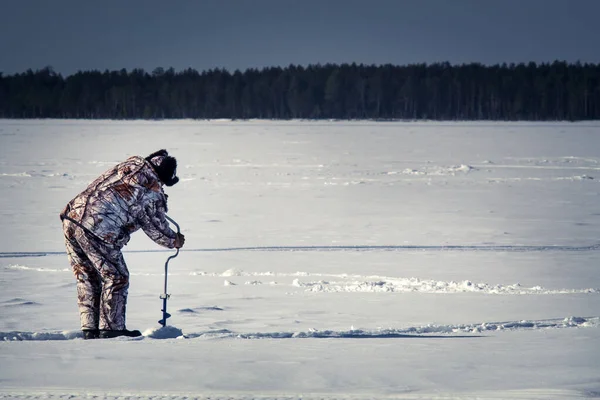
{"x":304,"y":237}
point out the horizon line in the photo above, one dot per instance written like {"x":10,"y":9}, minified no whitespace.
{"x":504,"y":64}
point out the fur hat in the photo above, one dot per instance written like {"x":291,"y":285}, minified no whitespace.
{"x":165,"y":166}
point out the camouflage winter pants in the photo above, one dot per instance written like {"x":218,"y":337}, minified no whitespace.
{"x":102,"y":279}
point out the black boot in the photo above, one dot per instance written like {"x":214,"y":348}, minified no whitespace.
{"x":90,"y":334}
{"x":124,"y":332}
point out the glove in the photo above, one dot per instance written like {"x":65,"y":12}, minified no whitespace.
{"x":179,"y":240}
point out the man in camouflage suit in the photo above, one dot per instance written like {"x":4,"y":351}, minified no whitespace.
{"x":98,"y":222}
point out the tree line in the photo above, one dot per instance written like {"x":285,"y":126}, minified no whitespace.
{"x":440,"y":91}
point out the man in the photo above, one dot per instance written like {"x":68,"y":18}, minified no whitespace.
{"x":97,"y":224}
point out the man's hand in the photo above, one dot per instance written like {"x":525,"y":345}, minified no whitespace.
{"x":179,"y":241}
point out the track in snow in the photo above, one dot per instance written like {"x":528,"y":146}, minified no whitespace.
{"x":64,"y":393}
{"x":466,"y":248}
{"x":421,"y":332}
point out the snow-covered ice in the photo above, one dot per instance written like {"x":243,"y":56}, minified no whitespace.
{"x":464,"y":256}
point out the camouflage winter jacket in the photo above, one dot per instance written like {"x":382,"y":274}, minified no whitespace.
{"x":121,"y":201}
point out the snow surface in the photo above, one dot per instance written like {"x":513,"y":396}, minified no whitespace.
{"x":464,"y":256}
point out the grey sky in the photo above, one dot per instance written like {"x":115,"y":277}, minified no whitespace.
{"x":73,"y":35}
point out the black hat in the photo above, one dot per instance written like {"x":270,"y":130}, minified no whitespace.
{"x":165,"y":167}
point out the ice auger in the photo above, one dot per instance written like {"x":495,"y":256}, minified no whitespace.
{"x":165,"y":296}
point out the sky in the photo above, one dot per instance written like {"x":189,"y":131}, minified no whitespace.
{"x":72,"y":35}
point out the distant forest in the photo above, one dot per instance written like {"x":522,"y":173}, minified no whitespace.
{"x":441,"y":91}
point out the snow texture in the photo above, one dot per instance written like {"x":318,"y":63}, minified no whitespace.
{"x":323,"y":260}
